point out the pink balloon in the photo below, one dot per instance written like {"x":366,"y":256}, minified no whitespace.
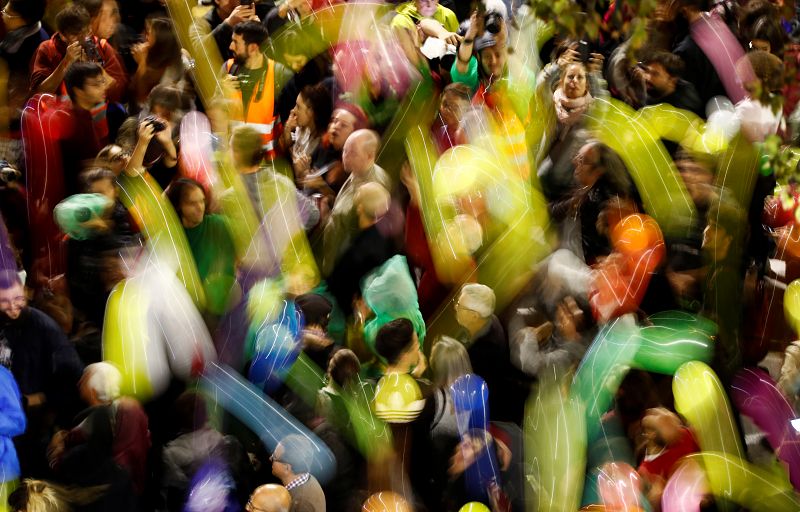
{"x":755,"y":395}
{"x":722,"y":48}
{"x":619,"y":485}
{"x":196,"y":151}
{"x":685,"y":489}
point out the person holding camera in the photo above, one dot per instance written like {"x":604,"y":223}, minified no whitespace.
{"x":253,"y":80}
{"x":73,"y":43}
{"x":218,"y":23}
{"x":482,"y":65}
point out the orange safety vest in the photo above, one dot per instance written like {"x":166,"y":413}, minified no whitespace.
{"x":260,"y":112}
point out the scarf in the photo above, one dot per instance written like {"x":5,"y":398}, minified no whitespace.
{"x":570,"y":110}
{"x":13,"y":40}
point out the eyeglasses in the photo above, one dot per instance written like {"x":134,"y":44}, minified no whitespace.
{"x":9,"y":15}
{"x":458,"y":305}
{"x":273,"y":458}
{"x":16,"y":302}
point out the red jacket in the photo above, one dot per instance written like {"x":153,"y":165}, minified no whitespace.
{"x":50,"y":54}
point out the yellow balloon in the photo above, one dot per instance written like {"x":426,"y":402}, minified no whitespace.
{"x":398,"y":398}
{"x":474,"y":506}
{"x":791,"y":305}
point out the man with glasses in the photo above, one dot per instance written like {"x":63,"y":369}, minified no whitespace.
{"x":45,"y":365}
{"x":72,"y":43}
{"x":489,"y":352}
{"x":291,"y":462}
{"x":269,"y":498}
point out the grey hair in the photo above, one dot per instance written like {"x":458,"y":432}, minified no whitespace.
{"x":104,"y":379}
{"x":449,"y":361}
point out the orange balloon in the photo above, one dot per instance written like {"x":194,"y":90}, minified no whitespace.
{"x":636,"y":233}
{"x":386,"y":501}
{"x":789,"y":243}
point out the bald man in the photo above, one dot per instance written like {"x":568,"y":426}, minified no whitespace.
{"x":358,"y":159}
{"x":371,"y":245}
{"x":269,"y":498}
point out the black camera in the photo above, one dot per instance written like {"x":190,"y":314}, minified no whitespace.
{"x":246,"y":2}
{"x":156,"y":123}
{"x":493,"y":21}
{"x":91,"y":51}
{"x":493,"y":13}
{"x":583,"y":51}
{"x":8,"y":174}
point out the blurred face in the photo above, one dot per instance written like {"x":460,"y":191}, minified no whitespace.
{"x":86,"y":392}
{"x":427,"y":8}
{"x":342,"y":124}
{"x":107,"y":20}
{"x":193,"y":207}
{"x":451,"y":109}
{"x":587,"y":171}
{"x":412,"y":356}
{"x":105,"y":187}
{"x":279,"y":468}
{"x":226,"y":6}
{"x":13,"y":301}
{"x":659,"y":82}
{"x":117,"y":159}
{"x":238,"y":49}
{"x":295,"y":62}
{"x":93,"y":91}
{"x":163,"y":112}
{"x":574,"y":81}
{"x":465,"y":316}
{"x":11,"y":18}
{"x":355,"y":158}
{"x":304,"y":113}
{"x":493,"y":60}
{"x":79,"y":36}
{"x":760,"y":44}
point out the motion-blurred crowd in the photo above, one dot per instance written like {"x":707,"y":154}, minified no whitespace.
{"x":279,"y":134}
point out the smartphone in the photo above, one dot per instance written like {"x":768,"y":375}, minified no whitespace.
{"x":583,"y":51}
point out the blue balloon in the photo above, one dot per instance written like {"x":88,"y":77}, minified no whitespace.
{"x":277,"y":345}
{"x":471,"y":402}
{"x":265,"y":418}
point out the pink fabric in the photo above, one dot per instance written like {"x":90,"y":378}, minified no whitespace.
{"x":724,"y":51}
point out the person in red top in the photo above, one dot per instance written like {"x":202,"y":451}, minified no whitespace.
{"x":666,"y":441}
{"x":74,"y":42}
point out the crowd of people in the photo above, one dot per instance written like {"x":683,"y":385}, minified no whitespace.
{"x":400,"y":226}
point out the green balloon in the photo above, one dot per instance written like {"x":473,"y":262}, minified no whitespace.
{"x":684,"y":320}
{"x":663,"y":349}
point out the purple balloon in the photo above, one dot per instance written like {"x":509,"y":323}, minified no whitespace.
{"x":212,"y":489}
{"x":756,"y":396}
